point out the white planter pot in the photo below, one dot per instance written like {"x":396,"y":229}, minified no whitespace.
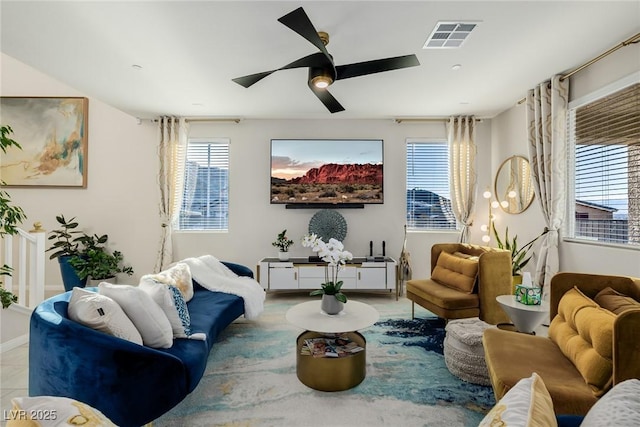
{"x":96,"y":282}
{"x":331,"y":305}
{"x":283,"y":256}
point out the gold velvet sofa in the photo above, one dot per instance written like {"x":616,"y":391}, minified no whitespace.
{"x":493,"y":279}
{"x":589,"y":348}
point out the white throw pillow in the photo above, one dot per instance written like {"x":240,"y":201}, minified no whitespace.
{"x":178,"y":275}
{"x":146,"y":315}
{"x":171,"y":301}
{"x":526,"y":404}
{"x":51,"y":411}
{"x":101,"y":313}
{"x":619,"y":407}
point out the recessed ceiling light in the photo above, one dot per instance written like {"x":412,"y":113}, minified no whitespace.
{"x":197,"y":104}
{"x":456,"y":67}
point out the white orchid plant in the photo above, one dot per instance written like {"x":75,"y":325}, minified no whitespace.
{"x":335,"y":256}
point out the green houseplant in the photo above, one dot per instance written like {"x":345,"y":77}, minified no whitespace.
{"x":520,"y":257}
{"x":83,"y":256}
{"x":6,"y":297}
{"x":96,"y":262}
{"x":67,"y":243}
{"x":282,"y":242}
{"x":10,"y":216}
{"x":68,"y":239}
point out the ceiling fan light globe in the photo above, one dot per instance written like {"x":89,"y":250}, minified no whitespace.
{"x":321,"y":82}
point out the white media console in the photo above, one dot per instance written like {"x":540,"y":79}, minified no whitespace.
{"x":359,"y":274}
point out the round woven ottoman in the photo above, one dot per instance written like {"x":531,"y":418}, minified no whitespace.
{"x":463,"y":352}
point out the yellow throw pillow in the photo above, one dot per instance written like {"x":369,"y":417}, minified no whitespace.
{"x":584,"y":333}
{"x":526,"y":404}
{"x":455,"y":272}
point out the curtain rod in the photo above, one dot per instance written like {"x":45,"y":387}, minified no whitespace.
{"x":201,"y":119}
{"x":627,"y":42}
{"x":213,"y":119}
{"x":425,"y":119}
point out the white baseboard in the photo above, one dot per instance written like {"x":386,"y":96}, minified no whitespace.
{"x":17,"y":318}
{"x":14,"y":343}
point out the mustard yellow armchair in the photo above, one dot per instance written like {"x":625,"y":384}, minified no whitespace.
{"x":493,"y":279}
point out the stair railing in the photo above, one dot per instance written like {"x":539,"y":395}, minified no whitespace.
{"x":28,"y":265}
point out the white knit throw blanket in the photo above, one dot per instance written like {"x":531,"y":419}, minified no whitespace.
{"x":213,"y":275}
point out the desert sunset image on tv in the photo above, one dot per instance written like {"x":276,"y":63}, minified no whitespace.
{"x":326,"y":171}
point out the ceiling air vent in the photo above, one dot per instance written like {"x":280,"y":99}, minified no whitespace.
{"x":449,"y":35}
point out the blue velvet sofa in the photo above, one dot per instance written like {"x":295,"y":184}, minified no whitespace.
{"x":131,"y":384}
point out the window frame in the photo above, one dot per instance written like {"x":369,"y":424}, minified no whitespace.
{"x":569,"y":225}
{"x":413,"y":229}
{"x":183,"y":181}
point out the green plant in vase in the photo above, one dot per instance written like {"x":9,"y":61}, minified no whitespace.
{"x":67,"y":239}
{"x":283,"y":243}
{"x":520,"y":257}
{"x":67,"y":243}
{"x":96,"y":262}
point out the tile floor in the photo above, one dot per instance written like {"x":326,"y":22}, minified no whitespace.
{"x":14,"y":375}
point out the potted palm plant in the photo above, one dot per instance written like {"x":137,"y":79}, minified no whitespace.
{"x":10,"y":216}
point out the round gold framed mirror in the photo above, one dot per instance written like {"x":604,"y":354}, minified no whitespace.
{"x":513,"y":185}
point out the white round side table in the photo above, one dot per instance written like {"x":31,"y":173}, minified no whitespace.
{"x":526,"y":318}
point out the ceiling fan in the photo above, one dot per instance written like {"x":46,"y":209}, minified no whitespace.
{"x":322,"y":70}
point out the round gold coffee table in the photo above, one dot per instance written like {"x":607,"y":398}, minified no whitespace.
{"x":331,"y":373}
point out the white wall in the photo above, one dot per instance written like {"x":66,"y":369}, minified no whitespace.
{"x":254,"y":223}
{"x":122,"y":198}
{"x":509,"y":138}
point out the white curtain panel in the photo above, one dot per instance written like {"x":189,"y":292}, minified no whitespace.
{"x":172,"y":147}
{"x":546,"y":128}
{"x":462,"y":164}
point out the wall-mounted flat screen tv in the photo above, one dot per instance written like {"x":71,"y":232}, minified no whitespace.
{"x":327,"y":171}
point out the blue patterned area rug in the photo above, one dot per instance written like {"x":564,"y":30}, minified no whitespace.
{"x":251,"y":381}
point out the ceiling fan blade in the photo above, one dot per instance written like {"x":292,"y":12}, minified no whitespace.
{"x":376,"y":66}
{"x":327,"y":99}
{"x":247,"y":81}
{"x":299,"y":22}
{"x":314,"y":60}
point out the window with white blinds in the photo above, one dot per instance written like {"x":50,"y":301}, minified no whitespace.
{"x":205,"y":199}
{"x":604,"y":148}
{"x":428,"y":200}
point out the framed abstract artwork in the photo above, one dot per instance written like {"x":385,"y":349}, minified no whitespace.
{"x":53,"y":135}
